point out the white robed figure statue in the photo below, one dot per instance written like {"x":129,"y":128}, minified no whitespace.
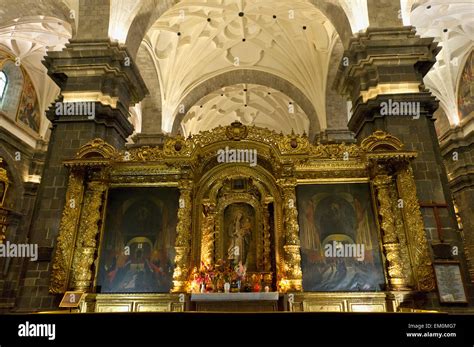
{"x":239,"y":233}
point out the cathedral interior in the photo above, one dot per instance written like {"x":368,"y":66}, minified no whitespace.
{"x":237,"y":156}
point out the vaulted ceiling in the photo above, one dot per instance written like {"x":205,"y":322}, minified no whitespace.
{"x":190,"y":42}
{"x":196,"y":40}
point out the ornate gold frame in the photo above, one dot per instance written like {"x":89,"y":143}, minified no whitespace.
{"x":284,"y":161}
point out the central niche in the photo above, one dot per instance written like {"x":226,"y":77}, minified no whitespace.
{"x":236,"y":225}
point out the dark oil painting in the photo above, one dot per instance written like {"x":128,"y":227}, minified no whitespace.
{"x":339,"y":217}
{"x":137,"y":251}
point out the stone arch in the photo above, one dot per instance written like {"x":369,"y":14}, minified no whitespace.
{"x":151,"y":11}
{"x":147,"y":15}
{"x":151,"y":104}
{"x":336,"y":112}
{"x":333,"y":11}
{"x":249,"y":76}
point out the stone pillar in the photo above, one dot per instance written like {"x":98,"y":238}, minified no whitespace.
{"x":384,"y":79}
{"x":102,"y":74}
{"x":183,"y":238}
{"x":293,"y":277}
{"x":457,"y":146}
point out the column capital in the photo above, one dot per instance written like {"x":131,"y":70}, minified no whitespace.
{"x":395,"y":58}
{"x":98,"y":69}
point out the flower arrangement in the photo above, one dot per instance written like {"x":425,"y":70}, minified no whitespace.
{"x":211,"y":277}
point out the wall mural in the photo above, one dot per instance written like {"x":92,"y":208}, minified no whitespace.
{"x":339,"y":244}
{"x":466,"y":89}
{"x":137,"y":253}
{"x":28,"y":111}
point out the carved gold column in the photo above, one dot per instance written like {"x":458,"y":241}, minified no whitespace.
{"x":267,"y":261}
{"x":3,"y":224}
{"x":208,"y":233}
{"x":67,"y":232}
{"x":391,"y":246}
{"x":293,"y":280}
{"x":86,"y":244}
{"x":183,"y":238}
{"x":4,"y":183}
{"x":416,"y":237}
{"x":401,"y":235}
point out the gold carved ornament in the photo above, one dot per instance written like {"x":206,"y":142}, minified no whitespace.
{"x":420,"y":257}
{"x":86,"y":245}
{"x":390,"y":242}
{"x":95,"y":154}
{"x":4,"y":184}
{"x":62,"y":260}
{"x":183,"y":239}
{"x":293,"y":276}
{"x":285,"y":155}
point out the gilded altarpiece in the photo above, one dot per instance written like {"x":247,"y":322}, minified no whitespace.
{"x":224,"y":207}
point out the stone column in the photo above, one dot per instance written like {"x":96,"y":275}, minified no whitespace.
{"x":102,"y":74}
{"x":183,"y":238}
{"x":457,"y":147}
{"x":293,"y":280}
{"x":383,"y":76}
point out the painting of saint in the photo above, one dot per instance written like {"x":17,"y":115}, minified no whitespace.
{"x":28,"y":111}
{"x":239,"y":221}
{"x":339,"y":244}
{"x":466,"y":89}
{"x":137,"y":253}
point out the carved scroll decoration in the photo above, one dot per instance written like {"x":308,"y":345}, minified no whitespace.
{"x":86,"y":244}
{"x":416,"y":237}
{"x":67,"y":233}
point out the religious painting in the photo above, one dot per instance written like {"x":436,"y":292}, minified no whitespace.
{"x":239,"y":225}
{"x":28,"y":111}
{"x":466,"y":89}
{"x":137,"y":252}
{"x":339,"y":244}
